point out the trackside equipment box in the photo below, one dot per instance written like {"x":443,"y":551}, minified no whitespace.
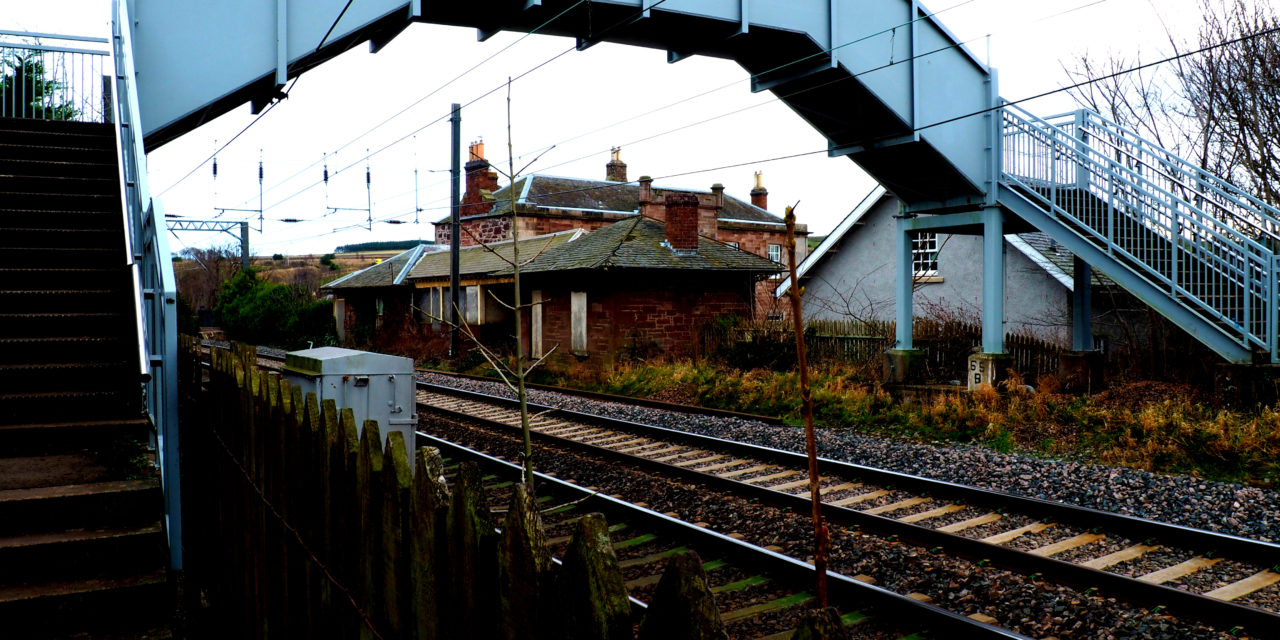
{"x":375,"y":386}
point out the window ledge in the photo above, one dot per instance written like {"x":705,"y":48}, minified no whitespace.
{"x":929,"y":279}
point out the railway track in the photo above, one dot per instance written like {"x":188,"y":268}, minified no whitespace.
{"x":1224,"y":580}
{"x":760,"y":593}
{"x":1220,"y":579}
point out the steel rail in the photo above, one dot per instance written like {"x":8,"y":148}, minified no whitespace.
{"x":611,"y":397}
{"x":1258,"y":622}
{"x":848,"y":591}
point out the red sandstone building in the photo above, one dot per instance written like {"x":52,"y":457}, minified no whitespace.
{"x":635,"y":289}
{"x":548,"y":204}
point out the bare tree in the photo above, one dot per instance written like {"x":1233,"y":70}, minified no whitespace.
{"x":1220,"y":108}
{"x":201,"y":273}
{"x":1235,"y":91}
{"x":513,"y":375}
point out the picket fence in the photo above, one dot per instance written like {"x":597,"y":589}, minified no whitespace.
{"x":297,"y":527}
{"x":947,"y":344}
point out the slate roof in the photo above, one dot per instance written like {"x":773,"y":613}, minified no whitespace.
{"x":477,"y":260}
{"x":1058,"y":255}
{"x":556,"y":192}
{"x":384,"y":274}
{"x":640,"y":243}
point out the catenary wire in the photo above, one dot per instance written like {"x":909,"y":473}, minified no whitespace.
{"x":429,"y":94}
{"x":472,"y":101}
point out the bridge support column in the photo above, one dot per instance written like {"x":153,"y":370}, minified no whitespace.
{"x":992,"y":365}
{"x":1081,"y":370}
{"x":903,"y":364}
{"x":993,"y":281}
{"x":1082,"y":307}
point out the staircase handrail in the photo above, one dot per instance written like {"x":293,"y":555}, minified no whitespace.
{"x":1252,"y":256}
{"x":1211,"y":224}
{"x":1184,"y":173}
{"x":155,"y":290}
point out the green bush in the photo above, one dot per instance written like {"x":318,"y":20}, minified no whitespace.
{"x":266,"y":313}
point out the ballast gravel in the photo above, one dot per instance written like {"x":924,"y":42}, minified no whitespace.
{"x":1222,"y":507}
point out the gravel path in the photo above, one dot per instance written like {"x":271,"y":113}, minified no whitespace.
{"x":1215,"y":506}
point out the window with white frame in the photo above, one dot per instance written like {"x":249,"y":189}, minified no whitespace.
{"x":924,"y":254}
{"x":732,"y":244}
{"x":775,"y":252}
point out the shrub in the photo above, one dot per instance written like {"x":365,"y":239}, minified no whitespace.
{"x":265,"y":313}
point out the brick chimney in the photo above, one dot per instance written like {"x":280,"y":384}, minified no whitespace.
{"x":616,"y":170}
{"x":682,"y":222}
{"x":479,"y":179}
{"x":760,"y":195}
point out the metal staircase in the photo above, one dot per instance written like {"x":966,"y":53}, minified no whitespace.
{"x":1192,"y":246}
{"x":87,"y":349}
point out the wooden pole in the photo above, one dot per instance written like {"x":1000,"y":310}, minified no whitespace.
{"x":806,"y":399}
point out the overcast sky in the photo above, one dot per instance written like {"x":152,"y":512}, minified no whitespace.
{"x":584,"y":103}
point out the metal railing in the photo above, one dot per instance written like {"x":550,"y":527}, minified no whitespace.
{"x":47,"y":81}
{"x":155,"y":292}
{"x":1207,"y":244}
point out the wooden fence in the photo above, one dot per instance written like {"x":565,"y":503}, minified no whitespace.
{"x":947,"y":344}
{"x":299,"y":525}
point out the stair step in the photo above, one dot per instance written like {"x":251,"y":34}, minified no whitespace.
{"x":84,"y":153}
{"x":65,"y":168}
{"x":93,"y":129}
{"x":82,"y":467}
{"x":65,"y":405}
{"x":95,"y":606}
{"x":81,"y":553}
{"x":64,"y":324}
{"x":95,"y":257}
{"x":58,"y":139}
{"x":65,"y":239}
{"x":63,"y":201}
{"x":32,"y":277}
{"x":62,"y":184}
{"x":63,"y":300}
{"x":29,"y":439}
{"x":65,"y":350}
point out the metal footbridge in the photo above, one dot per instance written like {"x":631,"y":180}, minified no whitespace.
{"x":883,"y":80}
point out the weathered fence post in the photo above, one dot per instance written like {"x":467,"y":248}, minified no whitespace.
{"x":397,"y":525}
{"x":430,"y":543}
{"x":473,"y":546}
{"x":683,"y":607}
{"x":369,"y":542}
{"x":524,"y":570}
{"x":593,"y":596}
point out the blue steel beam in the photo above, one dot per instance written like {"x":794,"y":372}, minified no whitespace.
{"x":198,"y":60}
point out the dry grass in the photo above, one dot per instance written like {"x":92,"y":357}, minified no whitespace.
{"x":1147,"y":425}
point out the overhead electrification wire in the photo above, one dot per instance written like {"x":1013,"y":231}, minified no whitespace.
{"x":442,"y":118}
{"x":264,"y":112}
{"x":433,"y":92}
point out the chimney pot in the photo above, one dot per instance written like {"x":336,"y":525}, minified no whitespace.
{"x":616,"y":170}
{"x":479,"y":179}
{"x":760,"y":195}
{"x":682,"y":222}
